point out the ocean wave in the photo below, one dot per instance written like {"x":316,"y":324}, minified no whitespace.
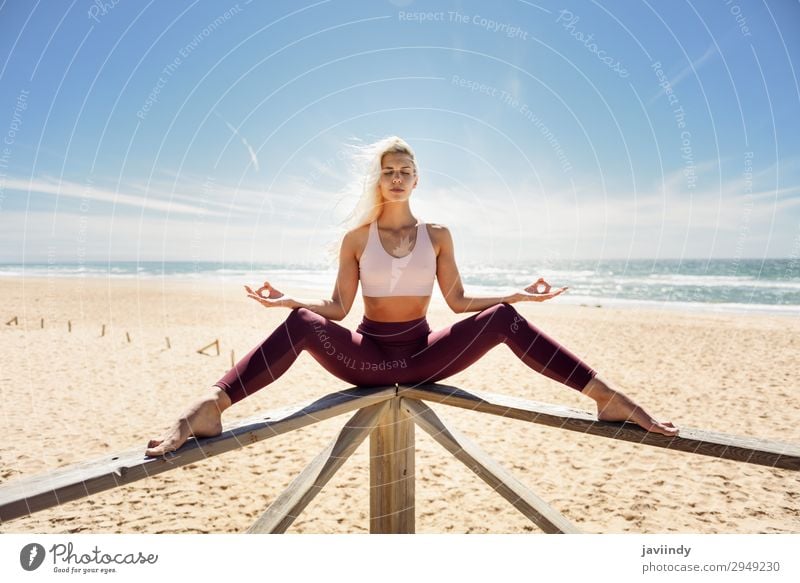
{"x":613,"y":286}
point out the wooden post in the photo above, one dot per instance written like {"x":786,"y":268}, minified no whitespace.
{"x":537,"y":510}
{"x":391,"y":473}
{"x":288,"y":506}
{"x":207,"y":346}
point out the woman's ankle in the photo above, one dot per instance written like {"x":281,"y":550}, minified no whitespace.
{"x":598,"y":390}
{"x":221,"y":398}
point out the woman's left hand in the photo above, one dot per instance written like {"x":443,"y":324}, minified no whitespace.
{"x":539,"y":291}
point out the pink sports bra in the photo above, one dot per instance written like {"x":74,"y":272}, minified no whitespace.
{"x":383,"y":275}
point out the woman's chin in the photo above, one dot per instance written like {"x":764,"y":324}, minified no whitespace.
{"x":395,"y":196}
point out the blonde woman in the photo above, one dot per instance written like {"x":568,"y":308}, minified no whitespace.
{"x":396,"y":259}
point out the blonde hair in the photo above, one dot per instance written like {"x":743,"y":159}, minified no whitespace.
{"x":366,"y":168}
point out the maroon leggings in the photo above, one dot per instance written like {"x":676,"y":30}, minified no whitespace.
{"x":408,"y":353}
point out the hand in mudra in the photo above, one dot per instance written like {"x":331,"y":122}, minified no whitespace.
{"x":540,"y":291}
{"x":272,"y":297}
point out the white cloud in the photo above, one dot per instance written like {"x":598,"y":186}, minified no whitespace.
{"x":514,"y":223}
{"x":646,"y":223}
{"x":90,"y":192}
{"x":691,"y":68}
{"x":253,"y":157}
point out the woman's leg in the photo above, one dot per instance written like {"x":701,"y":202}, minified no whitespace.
{"x":339,"y":351}
{"x":458,"y":346}
{"x":350,"y":356}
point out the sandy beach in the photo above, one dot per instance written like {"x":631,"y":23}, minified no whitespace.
{"x":75,"y":396}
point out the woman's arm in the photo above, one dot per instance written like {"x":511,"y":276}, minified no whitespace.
{"x":453,"y":289}
{"x":450,"y":279}
{"x":344,"y":292}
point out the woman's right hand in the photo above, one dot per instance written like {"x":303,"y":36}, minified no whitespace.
{"x":273,"y":297}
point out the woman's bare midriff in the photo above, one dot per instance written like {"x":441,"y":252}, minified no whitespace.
{"x":396,"y":308}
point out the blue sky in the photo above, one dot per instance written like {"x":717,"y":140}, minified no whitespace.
{"x":216,"y":130}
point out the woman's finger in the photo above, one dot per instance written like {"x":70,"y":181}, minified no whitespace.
{"x":534,"y":287}
{"x":268,"y":289}
{"x":549,"y":295}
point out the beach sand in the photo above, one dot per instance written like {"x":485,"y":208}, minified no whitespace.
{"x":75,"y":396}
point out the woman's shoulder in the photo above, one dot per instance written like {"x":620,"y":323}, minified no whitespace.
{"x":440,"y":237}
{"x":358,"y":233}
{"x":437,"y":230}
{"x":355,"y":239}
{"x":437,"y":226}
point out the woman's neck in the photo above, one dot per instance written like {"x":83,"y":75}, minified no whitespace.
{"x":396,"y":217}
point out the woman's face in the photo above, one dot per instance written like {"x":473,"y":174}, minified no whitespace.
{"x":398,"y":176}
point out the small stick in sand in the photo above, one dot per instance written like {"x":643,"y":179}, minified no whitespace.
{"x":103,"y":331}
{"x":69,"y":325}
{"x":128,"y":336}
{"x":13,"y":320}
{"x":207,"y":346}
{"x":42,"y":323}
{"x":167,"y":339}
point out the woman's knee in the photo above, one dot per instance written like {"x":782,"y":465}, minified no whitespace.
{"x":501,"y":319}
{"x":302,"y":320}
{"x":304,"y":316}
{"x":310,"y":331}
{"x":503,"y":313}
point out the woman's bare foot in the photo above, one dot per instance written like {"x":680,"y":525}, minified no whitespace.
{"x":201,"y":419}
{"x":615,"y":406}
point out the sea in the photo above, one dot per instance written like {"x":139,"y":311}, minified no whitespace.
{"x":770,"y":286}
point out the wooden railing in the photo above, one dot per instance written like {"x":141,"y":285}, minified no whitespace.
{"x":388,"y":415}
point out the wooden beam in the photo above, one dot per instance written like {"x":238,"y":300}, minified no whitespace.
{"x":466,"y":451}
{"x":29,"y":495}
{"x":391,"y":474}
{"x":774,"y":454}
{"x":291,"y":502}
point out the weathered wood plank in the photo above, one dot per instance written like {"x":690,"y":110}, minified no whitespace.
{"x":465,"y":450}
{"x":291,"y":502}
{"x":391,"y":473}
{"x":763,"y":452}
{"x":29,"y":495}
